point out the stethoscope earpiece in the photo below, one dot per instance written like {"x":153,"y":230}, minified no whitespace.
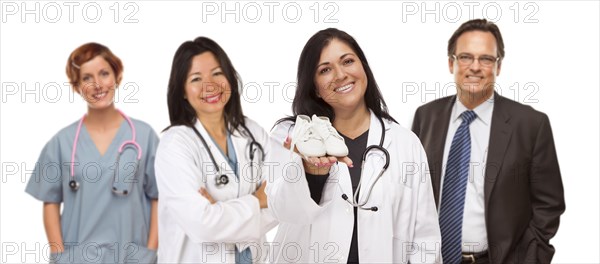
{"x":374,"y":208}
{"x":116,"y":191}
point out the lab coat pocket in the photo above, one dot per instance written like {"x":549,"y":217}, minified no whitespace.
{"x":402,"y":222}
{"x":403,"y":215}
{"x":401,"y":206}
{"x":401,"y":250}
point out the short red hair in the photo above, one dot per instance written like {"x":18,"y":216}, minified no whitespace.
{"x":87,"y":52}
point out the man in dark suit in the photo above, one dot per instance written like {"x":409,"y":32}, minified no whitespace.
{"x":493,"y":163}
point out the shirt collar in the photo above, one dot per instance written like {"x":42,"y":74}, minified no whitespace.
{"x":483,"y":111}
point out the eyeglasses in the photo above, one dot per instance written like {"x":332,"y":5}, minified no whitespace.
{"x":468,"y":59}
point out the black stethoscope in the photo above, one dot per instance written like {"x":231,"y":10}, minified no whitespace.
{"x":222,"y":179}
{"x":379,"y":147}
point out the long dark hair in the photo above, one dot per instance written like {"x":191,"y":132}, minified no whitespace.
{"x":306,"y":101}
{"x":180,"y":110}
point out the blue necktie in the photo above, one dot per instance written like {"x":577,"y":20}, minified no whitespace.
{"x":454,"y":189}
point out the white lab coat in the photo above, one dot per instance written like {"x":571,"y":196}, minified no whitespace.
{"x":191,"y":230}
{"x":404,"y":229}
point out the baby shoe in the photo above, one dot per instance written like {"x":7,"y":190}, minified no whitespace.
{"x":334,"y":143}
{"x":304,"y":138}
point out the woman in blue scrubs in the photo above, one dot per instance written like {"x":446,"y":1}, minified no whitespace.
{"x":101,"y":169}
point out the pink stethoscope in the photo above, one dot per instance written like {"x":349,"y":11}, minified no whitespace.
{"x":75,"y":185}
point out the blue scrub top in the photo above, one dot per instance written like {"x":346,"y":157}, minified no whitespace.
{"x":230,"y":157}
{"x":99,"y":226}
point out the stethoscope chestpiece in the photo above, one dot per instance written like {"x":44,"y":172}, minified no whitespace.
{"x":74,"y":185}
{"x":222,"y":180}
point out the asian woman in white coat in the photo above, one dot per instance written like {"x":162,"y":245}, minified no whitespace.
{"x":393,"y":218}
{"x":207,"y":165}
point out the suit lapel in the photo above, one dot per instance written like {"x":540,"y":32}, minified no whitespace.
{"x":437,"y":142}
{"x":500,"y":134}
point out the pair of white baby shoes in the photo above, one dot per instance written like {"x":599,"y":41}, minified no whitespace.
{"x":316,"y":137}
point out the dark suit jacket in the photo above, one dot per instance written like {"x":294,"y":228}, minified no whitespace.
{"x":523,"y":188}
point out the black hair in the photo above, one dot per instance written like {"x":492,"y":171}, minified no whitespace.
{"x":306,"y":101}
{"x":180,"y":110}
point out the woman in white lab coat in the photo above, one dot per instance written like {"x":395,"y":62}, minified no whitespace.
{"x":207,"y":165}
{"x":394,"y":220}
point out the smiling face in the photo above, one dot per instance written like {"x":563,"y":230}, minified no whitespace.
{"x":340,"y":77}
{"x":97,"y":83}
{"x":475,"y":82}
{"x":206,"y":87}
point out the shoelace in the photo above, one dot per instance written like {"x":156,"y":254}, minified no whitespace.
{"x":329,"y":131}
{"x":304,"y":134}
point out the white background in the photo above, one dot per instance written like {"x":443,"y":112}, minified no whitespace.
{"x":552,"y":64}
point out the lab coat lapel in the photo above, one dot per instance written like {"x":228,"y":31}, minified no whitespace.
{"x":207,"y":166}
{"x":241,"y":144}
{"x":248,"y":182}
{"x":375,"y":159}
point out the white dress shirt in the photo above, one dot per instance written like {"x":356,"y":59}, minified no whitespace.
{"x":474,"y":234}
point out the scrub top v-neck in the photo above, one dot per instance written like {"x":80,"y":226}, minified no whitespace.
{"x":97,"y":225}
{"x":231,"y":158}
